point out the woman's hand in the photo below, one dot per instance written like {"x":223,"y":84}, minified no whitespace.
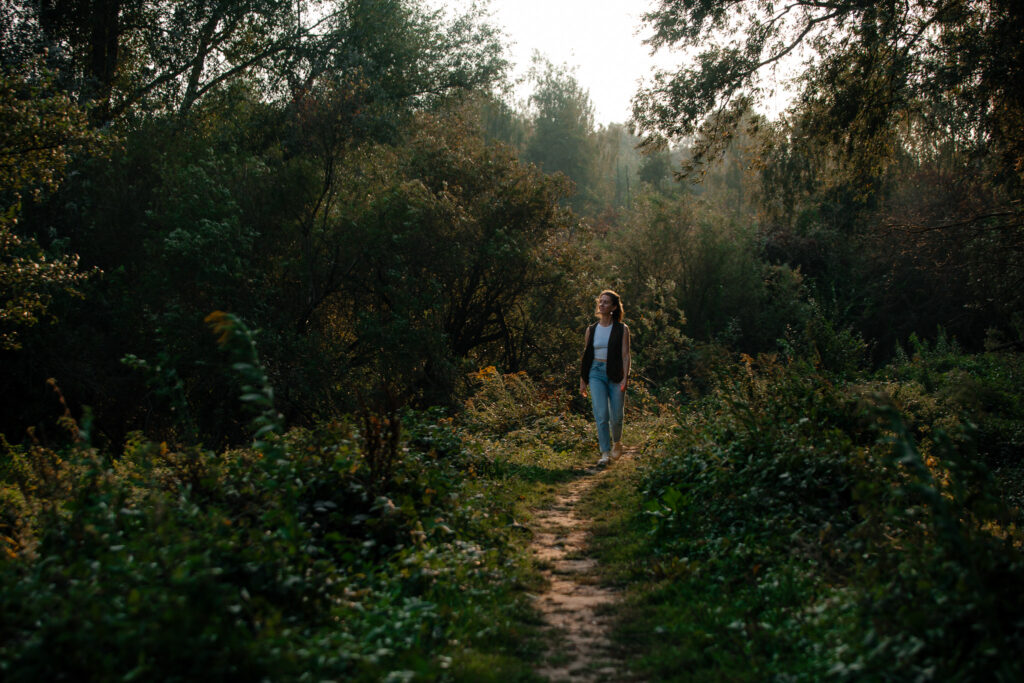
{"x":583,"y":388}
{"x":622,"y":387}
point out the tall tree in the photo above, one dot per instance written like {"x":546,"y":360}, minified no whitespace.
{"x":954,"y":68}
{"x":165,"y":55}
{"x":453,"y":251}
{"x":158,"y":54}
{"x":562,"y":139}
{"x":905,"y":139}
{"x":230,"y":168}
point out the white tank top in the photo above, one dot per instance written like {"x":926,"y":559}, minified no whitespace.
{"x":601,"y":336}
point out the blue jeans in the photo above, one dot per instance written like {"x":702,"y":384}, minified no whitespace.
{"x":607,"y":399}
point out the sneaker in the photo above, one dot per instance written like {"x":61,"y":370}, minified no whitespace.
{"x":605,"y":458}
{"x":617,"y":449}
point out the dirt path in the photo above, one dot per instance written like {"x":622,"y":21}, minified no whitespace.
{"x":572,"y":605}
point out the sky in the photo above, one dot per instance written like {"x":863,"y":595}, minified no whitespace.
{"x":601,"y":39}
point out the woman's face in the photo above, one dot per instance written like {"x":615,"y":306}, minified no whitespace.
{"x":605,"y":305}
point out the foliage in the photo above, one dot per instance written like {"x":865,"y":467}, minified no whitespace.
{"x":41,"y":129}
{"x":512,"y":406}
{"x":801,"y":529}
{"x":383,"y":547}
{"x":29,"y":280}
{"x":561,"y":139}
{"x":938,"y":384}
{"x":236,"y":338}
{"x":265,"y":178}
{"x":869,"y":67}
{"x":453,"y":251}
{"x":665,"y":359}
{"x":297,"y":558}
{"x":834,"y":350}
{"x":679,"y":259}
{"x":339,"y":176}
{"x":131,"y":58}
{"x":555,"y":130}
{"x":893,"y":173}
{"x":874,"y":263}
{"x":156,"y":210}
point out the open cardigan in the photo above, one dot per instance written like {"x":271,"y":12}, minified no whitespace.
{"x":615,"y":371}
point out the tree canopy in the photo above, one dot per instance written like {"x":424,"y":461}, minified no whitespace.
{"x":136,"y":56}
{"x":868,"y":71}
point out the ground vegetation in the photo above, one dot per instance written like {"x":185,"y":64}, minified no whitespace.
{"x":292,"y":297}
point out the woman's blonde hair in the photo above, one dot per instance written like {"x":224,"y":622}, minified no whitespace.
{"x":619,"y":313}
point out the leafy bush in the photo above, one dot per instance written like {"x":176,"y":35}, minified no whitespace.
{"x":676,"y":255}
{"x":516,"y":427}
{"x":848,"y":539}
{"x":984,"y":387}
{"x":333,"y":552}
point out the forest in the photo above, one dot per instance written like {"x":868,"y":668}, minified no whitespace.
{"x":292,"y":301}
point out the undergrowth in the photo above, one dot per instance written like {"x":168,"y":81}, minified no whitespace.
{"x":801,"y":527}
{"x":380,"y":546}
{"x":791,"y":525}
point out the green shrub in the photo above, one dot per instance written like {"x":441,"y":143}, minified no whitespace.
{"x":831,"y":531}
{"x":298,"y":561}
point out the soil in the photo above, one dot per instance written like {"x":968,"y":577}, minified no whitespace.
{"x":575,"y":605}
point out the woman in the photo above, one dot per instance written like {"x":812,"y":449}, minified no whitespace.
{"x":605,"y":369}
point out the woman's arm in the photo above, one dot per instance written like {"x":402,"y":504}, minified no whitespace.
{"x":586,"y":342}
{"x":626,"y":358}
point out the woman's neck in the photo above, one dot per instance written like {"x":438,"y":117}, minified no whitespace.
{"x":606,"y":320}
